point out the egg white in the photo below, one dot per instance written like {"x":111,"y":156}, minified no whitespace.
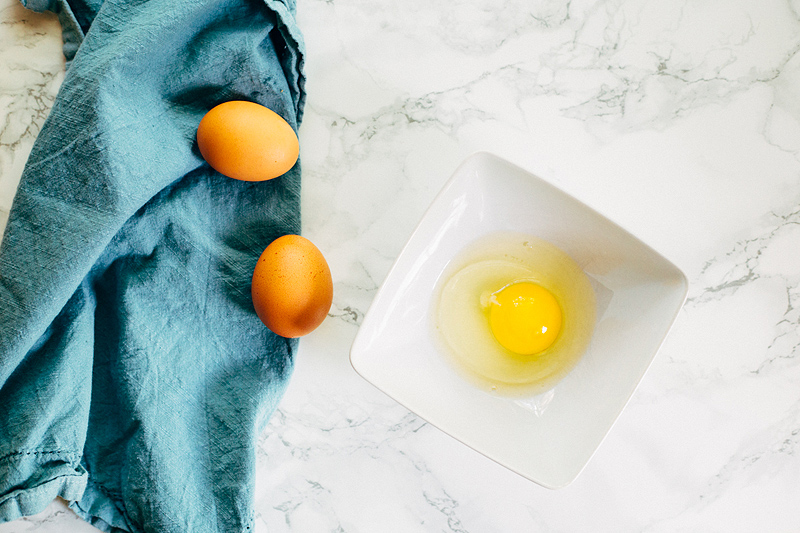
{"x":461,"y":312}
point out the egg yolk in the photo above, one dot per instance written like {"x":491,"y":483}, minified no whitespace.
{"x":525,"y":318}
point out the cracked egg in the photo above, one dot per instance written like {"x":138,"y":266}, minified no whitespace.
{"x":514,"y":313}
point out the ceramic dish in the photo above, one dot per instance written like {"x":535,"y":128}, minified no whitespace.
{"x":550,"y":437}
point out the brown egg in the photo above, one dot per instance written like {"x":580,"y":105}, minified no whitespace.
{"x":247,"y":141}
{"x":292,"y":287}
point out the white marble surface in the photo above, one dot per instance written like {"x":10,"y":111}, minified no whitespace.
{"x":679,"y":120}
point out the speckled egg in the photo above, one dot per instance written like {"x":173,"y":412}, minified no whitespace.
{"x":292,"y":288}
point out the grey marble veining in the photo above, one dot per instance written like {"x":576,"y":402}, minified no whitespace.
{"x":31,"y":72}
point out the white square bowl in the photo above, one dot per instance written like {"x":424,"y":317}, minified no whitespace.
{"x":551,"y":437}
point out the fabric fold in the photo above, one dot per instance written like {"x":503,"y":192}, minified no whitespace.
{"x":28,"y":501}
{"x":128,"y":340}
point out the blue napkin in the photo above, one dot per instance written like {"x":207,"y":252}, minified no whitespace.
{"x":135,"y":376}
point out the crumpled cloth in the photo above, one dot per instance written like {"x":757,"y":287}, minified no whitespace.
{"x":135,"y":376}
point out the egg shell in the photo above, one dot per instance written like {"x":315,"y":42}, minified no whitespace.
{"x":247,"y":141}
{"x":292,"y":288}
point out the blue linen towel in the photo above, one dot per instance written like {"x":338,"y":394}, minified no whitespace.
{"x":135,"y":376}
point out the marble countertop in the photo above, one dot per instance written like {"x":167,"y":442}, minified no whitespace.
{"x":678,"y":120}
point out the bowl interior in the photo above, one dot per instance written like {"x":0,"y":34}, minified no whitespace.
{"x":548,"y":438}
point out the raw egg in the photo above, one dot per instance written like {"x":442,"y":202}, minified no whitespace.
{"x":514,"y":313}
{"x":524,"y":317}
{"x":292,"y":288}
{"x":247,"y":141}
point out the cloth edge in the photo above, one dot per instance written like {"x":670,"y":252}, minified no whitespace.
{"x":294,"y":39}
{"x":26,"y":502}
{"x":71,"y":33}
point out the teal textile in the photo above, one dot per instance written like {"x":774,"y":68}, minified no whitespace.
{"x":135,"y":376}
